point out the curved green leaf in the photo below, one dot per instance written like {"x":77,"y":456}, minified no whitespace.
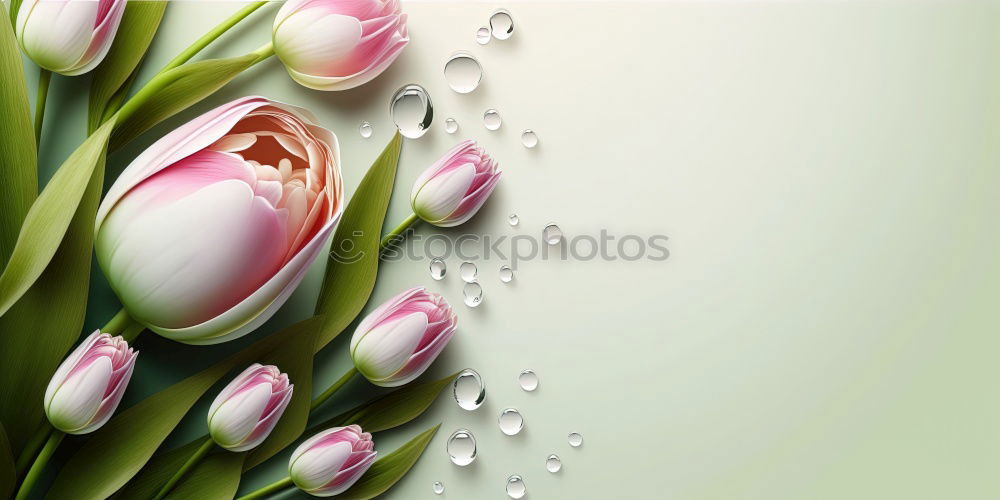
{"x":386,"y":471}
{"x":158,"y":471}
{"x":216,"y":478}
{"x":8,"y":473}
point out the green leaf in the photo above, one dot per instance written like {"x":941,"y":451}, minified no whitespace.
{"x":216,"y":478}
{"x":8,"y":474}
{"x":49,"y":218}
{"x":349,"y":281}
{"x":389,"y":469}
{"x":18,"y":161}
{"x":158,"y":471}
{"x":174,"y":91}
{"x":14,"y":5}
{"x":138,"y":25}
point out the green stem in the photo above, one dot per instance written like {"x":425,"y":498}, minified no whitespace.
{"x":31,"y":448}
{"x":267,"y":490}
{"x":399,"y":230}
{"x":116,"y":324}
{"x":191,"y":462}
{"x":36,"y":468}
{"x":263,"y":52}
{"x":333,"y":388}
{"x":44,"y":77}
{"x":209,"y":37}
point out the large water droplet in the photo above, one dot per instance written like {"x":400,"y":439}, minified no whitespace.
{"x":491,"y":118}
{"x":438,"y":488}
{"x":462,"y":447}
{"x":552,"y":234}
{"x":575,"y":439}
{"x":506,"y":274}
{"x":511,"y":422}
{"x":501,"y":24}
{"x":438,"y":268}
{"x":528,"y":380}
{"x":513,"y":219}
{"x":529,"y":139}
{"x":411,"y":110}
{"x":553,"y":464}
{"x":469,"y":390}
{"x":483,"y":35}
{"x":515,"y":487}
{"x":450,"y":126}
{"x":463,"y":72}
{"x":468,"y":272}
{"x":473,"y":294}
{"x":365,"y":129}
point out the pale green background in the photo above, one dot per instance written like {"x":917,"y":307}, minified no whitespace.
{"x":827,"y":173}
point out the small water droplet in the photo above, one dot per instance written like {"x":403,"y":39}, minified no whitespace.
{"x":438,"y":268}
{"x":438,"y":488}
{"x":462,"y":447}
{"x":463,"y":72}
{"x":528,"y":380}
{"x":365,"y":129}
{"x":450,"y":126}
{"x":473,"y":294}
{"x":553,"y":464}
{"x":513,"y":219}
{"x":468,"y":272}
{"x":511,"y":422}
{"x":501,"y":24}
{"x":411,"y":110}
{"x":491,"y":118}
{"x":515,"y":487}
{"x":483,"y":35}
{"x":575,"y":439}
{"x":506,"y":274}
{"x":469,"y":390}
{"x":552,"y":234}
{"x":529,"y":139}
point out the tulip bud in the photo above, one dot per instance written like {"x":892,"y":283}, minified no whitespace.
{"x":246,"y":411}
{"x":70,"y":37}
{"x":338,"y":44}
{"x":452,"y":190}
{"x":209,"y":230}
{"x":89,"y":384}
{"x":330,"y":462}
{"x":401,"y":338}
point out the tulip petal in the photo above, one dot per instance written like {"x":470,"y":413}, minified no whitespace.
{"x":314,"y":468}
{"x":56,"y":34}
{"x":234,"y":420}
{"x":76,"y":402}
{"x":317,"y":45}
{"x":441,"y":195}
{"x":382,"y":351}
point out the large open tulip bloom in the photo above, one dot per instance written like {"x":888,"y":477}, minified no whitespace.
{"x":89,"y":384}
{"x":246,"y":411}
{"x":454,"y":188}
{"x":68,"y":36}
{"x":338,"y":44}
{"x":401,"y":338}
{"x":209,"y":230}
{"x":330,"y":462}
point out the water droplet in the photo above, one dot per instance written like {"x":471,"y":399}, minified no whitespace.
{"x":365,"y":129}
{"x":515,"y":487}
{"x":575,"y":439}
{"x":501,"y":24}
{"x":511,"y":422}
{"x":462,"y":447}
{"x":411,"y":110}
{"x":491,"y":118}
{"x":438,"y":268}
{"x":529,"y":139}
{"x":439,"y":488}
{"x":473,"y":294}
{"x":513,"y":219}
{"x":553,"y":464}
{"x":506,"y":274}
{"x":450,"y":126}
{"x":552,"y":234}
{"x":468,"y":272}
{"x":483,"y":35}
{"x":469,"y":390}
{"x":528,"y":380}
{"x":463,"y":72}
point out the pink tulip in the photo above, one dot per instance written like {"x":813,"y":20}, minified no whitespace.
{"x":338,"y":44}
{"x":401,"y":338}
{"x":246,"y":411}
{"x":89,"y":384}
{"x":70,"y":37}
{"x":454,"y":188}
{"x":210,"y":229}
{"x":330,"y":462}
